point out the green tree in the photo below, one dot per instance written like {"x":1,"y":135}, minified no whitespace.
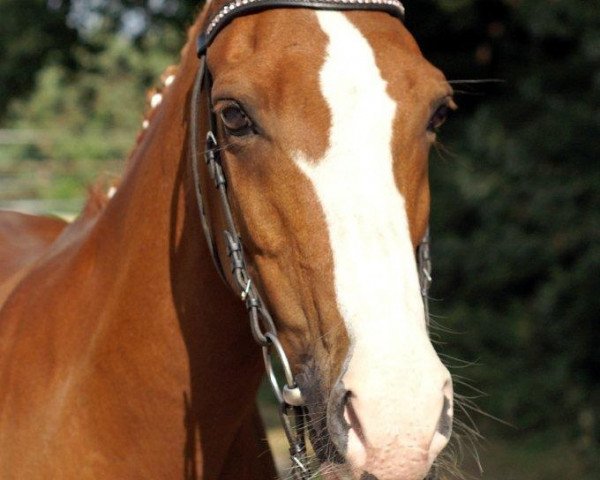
{"x":516,"y":207}
{"x":34,"y":33}
{"x":31,"y":33}
{"x":86,"y":117}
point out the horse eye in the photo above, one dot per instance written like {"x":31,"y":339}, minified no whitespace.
{"x":439,"y":118}
{"x":235,"y":120}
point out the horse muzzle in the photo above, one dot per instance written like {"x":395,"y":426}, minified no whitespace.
{"x":380,"y":433}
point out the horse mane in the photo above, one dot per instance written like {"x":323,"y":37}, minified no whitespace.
{"x":98,"y":195}
{"x":154,"y":94}
{"x":100,"y":192}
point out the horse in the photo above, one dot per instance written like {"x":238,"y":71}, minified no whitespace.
{"x":124,"y":352}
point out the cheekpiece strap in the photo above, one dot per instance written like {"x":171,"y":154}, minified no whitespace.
{"x":238,"y":8}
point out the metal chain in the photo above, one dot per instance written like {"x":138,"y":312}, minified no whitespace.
{"x":424,"y":266}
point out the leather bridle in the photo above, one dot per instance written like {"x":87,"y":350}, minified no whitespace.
{"x":291,"y":402}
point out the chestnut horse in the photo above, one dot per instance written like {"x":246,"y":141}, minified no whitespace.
{"x":123,"y":355}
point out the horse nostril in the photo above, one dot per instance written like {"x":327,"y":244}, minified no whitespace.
{"x":443,"y":429}
{"x":346,"y":398}
{"x":352,"y":418}
{"x":444,"y":426}
{"x":337,"y":426}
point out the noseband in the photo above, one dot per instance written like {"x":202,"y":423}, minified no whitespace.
{"x":292,"y":410}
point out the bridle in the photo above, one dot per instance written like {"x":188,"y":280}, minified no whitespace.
{"x":292,"y":409}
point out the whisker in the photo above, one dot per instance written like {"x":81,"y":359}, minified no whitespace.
{"x":460,"y":380}
{"x":478,"y":410}
{"x":463,"y":363}
{"x":476,"y":81}
{"x":467,"y":92}
{"x":221,"y":148}
{"x":433,"y":325}
{"x":444,"y":152}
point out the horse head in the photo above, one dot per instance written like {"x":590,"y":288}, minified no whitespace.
{"x":323,"y":121}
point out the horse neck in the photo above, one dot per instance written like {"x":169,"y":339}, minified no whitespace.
{"x":164,"y":288}
{"x":123,"y":334}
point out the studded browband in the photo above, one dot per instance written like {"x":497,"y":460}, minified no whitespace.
{"x":238,"y":8}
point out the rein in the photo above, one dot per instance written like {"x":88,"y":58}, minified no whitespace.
{"x":292,"y":410}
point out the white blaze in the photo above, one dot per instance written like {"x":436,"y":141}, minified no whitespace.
{"x":375,"y":275}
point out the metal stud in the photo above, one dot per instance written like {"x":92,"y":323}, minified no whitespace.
{"x":228,"y":10}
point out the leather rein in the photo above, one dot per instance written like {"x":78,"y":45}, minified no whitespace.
{"x":292,"y":410}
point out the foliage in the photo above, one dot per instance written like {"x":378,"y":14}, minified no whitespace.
{"x":516,"y":207}
{"x":82,"y":110}
{"x":30,"y":35}
{"x":77,"y":117}
{"x":35,"y":33}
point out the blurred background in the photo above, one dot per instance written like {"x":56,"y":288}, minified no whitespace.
{"x":515,"y":184}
